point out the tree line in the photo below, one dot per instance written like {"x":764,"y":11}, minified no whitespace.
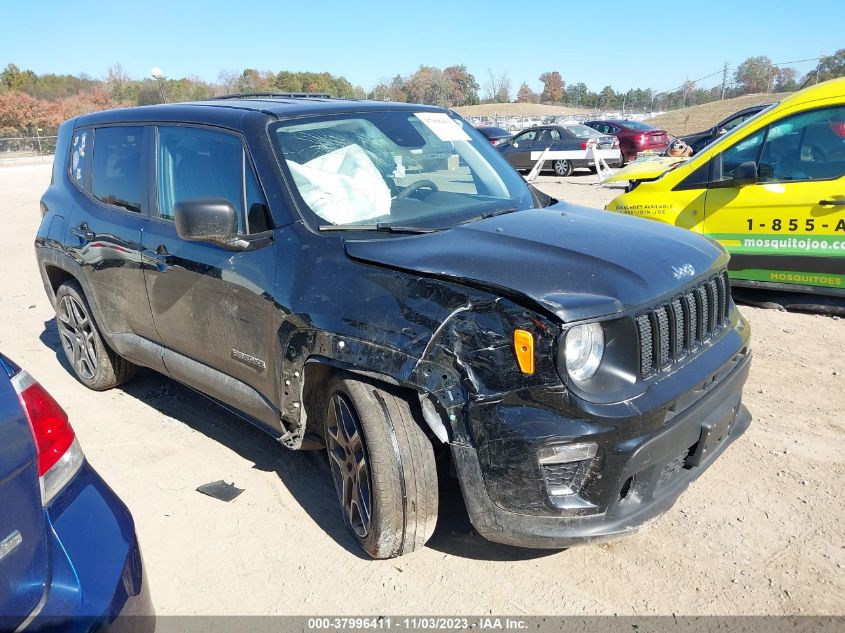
{"x":31,"y":103}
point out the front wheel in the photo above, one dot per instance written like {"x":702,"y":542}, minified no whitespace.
{"x":562,"y":167}
{"x":382,"y":465}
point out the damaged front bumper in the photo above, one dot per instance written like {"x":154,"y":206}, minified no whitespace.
{"x":641,"y":466}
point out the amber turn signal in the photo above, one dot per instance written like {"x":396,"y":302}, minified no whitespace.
{"x":523,"y":345}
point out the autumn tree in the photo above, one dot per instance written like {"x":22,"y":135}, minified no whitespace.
{"x":829,"y":67}
{"x":118,"y":83}
{"x":753,"y":75}
{"x":464,"y":87}
{"x":252,"y":80}
{"x":553,"y":87}
{"x":523,"y":95}
{"x":785,"y":80}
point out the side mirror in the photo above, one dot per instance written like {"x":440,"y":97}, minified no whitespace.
{"x":207,"y":220}
{"x":745,"y":174}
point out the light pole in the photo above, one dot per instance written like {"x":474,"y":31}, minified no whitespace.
{"x":653,"y":97}
{"x":159,"y":76}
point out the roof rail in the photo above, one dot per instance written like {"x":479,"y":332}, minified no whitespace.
{"x":275,"y":95}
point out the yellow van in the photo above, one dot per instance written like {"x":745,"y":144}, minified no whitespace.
{"x":772,"y":191}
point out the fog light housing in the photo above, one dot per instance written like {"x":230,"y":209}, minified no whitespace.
{"x":565,"y":467}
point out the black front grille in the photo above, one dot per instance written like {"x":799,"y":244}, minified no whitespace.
{"x":669,"y":332}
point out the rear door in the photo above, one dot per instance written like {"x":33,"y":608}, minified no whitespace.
{"x":789,"y":227}
{"x":212,"y":307}
{"x":23,"y":551}
{"x":108,"y":165}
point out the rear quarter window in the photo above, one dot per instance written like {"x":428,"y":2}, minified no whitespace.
{"x":79,"y":167}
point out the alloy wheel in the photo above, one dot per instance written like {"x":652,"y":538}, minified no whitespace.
{"x":562,"y":167}
{"x":77,"y":334}
{"x":349,"y":464}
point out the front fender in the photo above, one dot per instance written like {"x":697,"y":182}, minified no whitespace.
{"x":468,"y":357}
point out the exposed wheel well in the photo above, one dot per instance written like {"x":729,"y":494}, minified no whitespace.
{"x":57,"y":276}
{"x":315,"y":380}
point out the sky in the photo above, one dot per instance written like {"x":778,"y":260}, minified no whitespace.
{"x":624,"y":44}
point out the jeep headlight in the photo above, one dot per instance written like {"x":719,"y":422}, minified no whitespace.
{"x":582,"y":351}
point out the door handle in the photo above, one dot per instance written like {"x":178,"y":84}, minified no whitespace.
{"x":838,"y":202}
{"x":154,"y":258}
{"x":83,"y":232}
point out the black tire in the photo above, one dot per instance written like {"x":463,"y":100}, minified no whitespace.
{"x":391,"y":463}
{"x":94,"y":363}
{"x":562,"y":167}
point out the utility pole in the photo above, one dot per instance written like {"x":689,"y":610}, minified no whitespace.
{"x":724,"y":80}
{"x":159,"y":76}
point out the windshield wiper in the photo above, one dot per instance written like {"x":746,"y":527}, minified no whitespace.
{"x":493,"y":214}
{"x":381,"y":227}
{"x":490,"y":214}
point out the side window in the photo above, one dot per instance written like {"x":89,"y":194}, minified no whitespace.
{"x":527,"y":137}
{"x":554,"y":135}
{"x":748,"y":149}
{"x":202,"y":163}
{"x":612,"y":129}
{"x":80,"y":157}
{"x":117,"y":171}
{"x":732,"y":123}
{"x":805,"y":146}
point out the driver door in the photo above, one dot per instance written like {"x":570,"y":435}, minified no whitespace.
{"x":211,"y":306}
{"x":789,"y":226}
{"x":519,"y":150}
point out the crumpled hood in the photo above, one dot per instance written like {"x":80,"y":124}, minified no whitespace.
{"x":645,"y":169}
{"x":575,"y":262}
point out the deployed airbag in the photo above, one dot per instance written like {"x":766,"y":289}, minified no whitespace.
{"x":342,"y":186}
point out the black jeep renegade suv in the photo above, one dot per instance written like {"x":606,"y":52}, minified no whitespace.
{"x":375,"y":279}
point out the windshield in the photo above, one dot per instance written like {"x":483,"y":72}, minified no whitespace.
{"x":636,"y":125}
{"x":735,"y":130}
{"x":428,"y":169}
{"x":581,"y":131}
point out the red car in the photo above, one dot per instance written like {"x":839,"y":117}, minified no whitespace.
{"x":634,"y":136}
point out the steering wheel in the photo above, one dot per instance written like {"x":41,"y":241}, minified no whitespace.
{"x":419,"y":184}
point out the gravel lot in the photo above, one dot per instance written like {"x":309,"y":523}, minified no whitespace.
{"x":762,"y":532}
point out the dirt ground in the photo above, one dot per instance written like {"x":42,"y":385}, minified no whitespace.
{"x":761,"y":532}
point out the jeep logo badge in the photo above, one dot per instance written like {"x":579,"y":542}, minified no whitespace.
{"x":684,"y":272}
